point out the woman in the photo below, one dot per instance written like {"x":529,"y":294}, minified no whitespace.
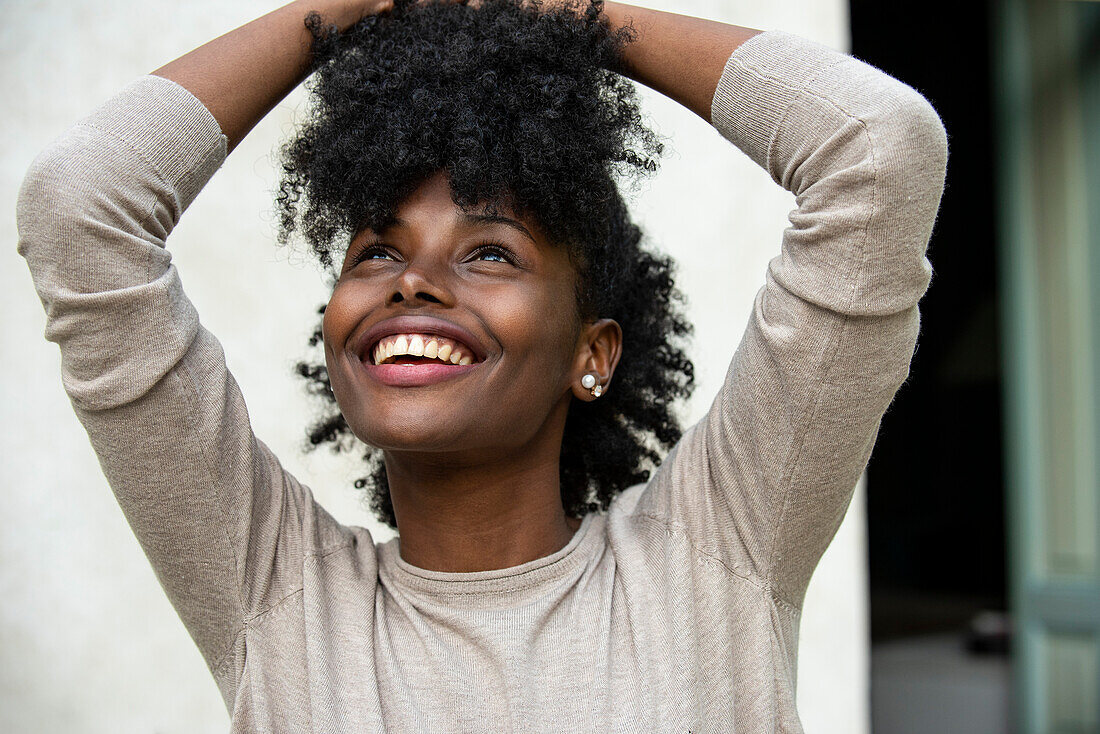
{"x":504,"y":605}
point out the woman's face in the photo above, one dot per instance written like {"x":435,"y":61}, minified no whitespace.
{"x":441,"y":285}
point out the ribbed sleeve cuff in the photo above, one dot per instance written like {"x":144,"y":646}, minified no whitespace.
{"x":761,"y":80}
{"x":170,"y":128}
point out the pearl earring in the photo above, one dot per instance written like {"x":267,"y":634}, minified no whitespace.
{"x":589,"y":382}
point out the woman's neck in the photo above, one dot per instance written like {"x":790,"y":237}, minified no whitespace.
{"x":464,"y":516}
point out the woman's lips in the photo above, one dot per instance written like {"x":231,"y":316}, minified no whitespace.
{"x":415,"y":375}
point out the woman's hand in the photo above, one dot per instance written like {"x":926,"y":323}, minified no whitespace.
{"x":241,"y":75}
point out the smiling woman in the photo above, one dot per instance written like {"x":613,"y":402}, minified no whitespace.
{"x":566,"y":560}
{"x":543,"y":126}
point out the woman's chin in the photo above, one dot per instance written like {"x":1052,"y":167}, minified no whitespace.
{"x":426,"y":435}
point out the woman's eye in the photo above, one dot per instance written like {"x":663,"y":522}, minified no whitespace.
{"x":377,"y":253}
{"x":492,"y":253}
{"x":372,"y":252}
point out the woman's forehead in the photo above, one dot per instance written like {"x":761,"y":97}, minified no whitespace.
{"x":434,"y":198}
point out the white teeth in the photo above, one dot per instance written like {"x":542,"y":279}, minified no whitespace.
{"x":420,"y":345}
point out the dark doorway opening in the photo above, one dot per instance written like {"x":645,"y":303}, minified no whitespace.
{"x":936,"y":492}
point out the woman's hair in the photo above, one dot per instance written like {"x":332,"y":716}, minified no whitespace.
{"x":519,"y":106}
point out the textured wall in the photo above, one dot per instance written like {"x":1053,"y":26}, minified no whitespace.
{"x":87,"y":640}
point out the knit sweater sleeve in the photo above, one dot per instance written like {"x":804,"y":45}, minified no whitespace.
{"x":762,"y":482}
{"x":223,"y":525}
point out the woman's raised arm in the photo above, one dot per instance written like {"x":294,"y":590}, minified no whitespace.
{"x":679,"y":56}
{"x":759,"y":486}
{"x":241,"y":75}
{"x":227,"y":530}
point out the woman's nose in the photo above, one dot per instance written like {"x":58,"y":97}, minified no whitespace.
{"x":418,"y":284}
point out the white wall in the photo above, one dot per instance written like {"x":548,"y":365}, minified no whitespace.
{"x":87,"y":640}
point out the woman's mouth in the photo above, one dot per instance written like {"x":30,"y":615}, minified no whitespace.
{"x":410,"y":351}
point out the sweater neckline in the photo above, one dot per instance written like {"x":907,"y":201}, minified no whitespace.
{"x":515,"y":580}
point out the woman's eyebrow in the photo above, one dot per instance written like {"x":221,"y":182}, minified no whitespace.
{"x":497,"y":219}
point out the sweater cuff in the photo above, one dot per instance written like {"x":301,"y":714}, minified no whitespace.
{"x":761,"y":79}
{"x":171,"y":130}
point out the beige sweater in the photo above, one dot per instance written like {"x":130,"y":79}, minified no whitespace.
{"x":676,"y":611}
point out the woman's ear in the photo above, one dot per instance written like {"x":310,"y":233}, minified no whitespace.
{"x":599,"y":347}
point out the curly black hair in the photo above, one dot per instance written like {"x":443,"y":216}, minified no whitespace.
{"x":522,"y":107}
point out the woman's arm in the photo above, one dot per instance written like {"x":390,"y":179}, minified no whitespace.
{"x":760,"y":484}
{"x":241,"y":75}
{"x":223,"y":525}
{"x":677,"y":55}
